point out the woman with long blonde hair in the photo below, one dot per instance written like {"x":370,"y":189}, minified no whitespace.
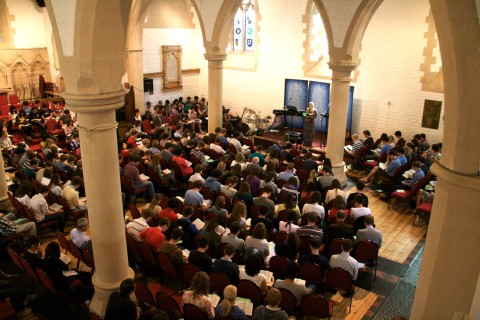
{"x":227,"y":307}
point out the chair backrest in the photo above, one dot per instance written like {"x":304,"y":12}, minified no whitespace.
{"x":304,"y":246}
{"x":339,"y":278}
{"x":89,"y":260}
{"x":167,"y":303}
{"x":144,"y":294}
{"x":146,"y":252}
{"x":282,"y":215}
{"x":28,"y":268}
{"x":77,"y":253}
{"x":127,"y":186}
{"x":45,"y":280}
{"x":52,"y":124}
{"x":278,"y":266}
{"x":231,"y":148}
{"x":289,"y":302}
{"x":62,"y":241}
{"x":254,"y":210}
{"x":207,"y":194}
{"x":335,"y":247}
{"x":3,"y":100}
{"x":134,"y":211}
{"x":13,"y":99}
{"x":316,"y":306}
{"x":15,"y":258}
{"x":167,"y":264}
{"x":131,"y":244}
{"x":366,"y":251}
{"x":4,"y":110}
{"x":218,"y":282}
{"x":192,"y":312}
{"x":359,"y":224}
{"x":280,"y":237}
{"x":248,"y":289}
{"x":147,"y":125}
{"x":311,"y":273}
{"x":189,"y":270}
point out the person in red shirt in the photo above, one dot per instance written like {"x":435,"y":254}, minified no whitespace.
{"x":182,"y":163}
{"x":133,"y":136}
{"x":155,"y":236}
{"x":169,"y":212}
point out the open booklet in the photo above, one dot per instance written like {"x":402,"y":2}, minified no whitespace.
{"x":245,"y":304}
{"x":348,"y":148}
{"x":214,"y":299}
{"x":144,"y":177}
{"x":166,"y":171}
{"x":199,"y":224}
{"x":54,"y":207}
{"x":382,"y":165}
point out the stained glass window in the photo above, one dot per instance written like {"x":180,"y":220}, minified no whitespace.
{"x":244,"y":27}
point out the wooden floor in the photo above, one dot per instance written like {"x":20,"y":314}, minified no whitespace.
{"x":399,"y":239}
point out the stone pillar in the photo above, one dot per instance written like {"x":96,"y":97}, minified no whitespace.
{"x":215,"y":90}
{"x":4,"y":203}
{"x":450,"y":264}
{"x":339,"y":99}
{"x":98,"y":138}
{"x":135,"y":76}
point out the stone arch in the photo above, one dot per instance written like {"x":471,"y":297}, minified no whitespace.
{"x":20,"y":75}
{"x":38,"y":69}
{"x":4,"y":83}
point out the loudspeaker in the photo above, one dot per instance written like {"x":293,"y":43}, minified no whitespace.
{"x":148,"y":85}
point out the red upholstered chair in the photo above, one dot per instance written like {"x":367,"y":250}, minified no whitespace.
{"x":147,"y":126}
{"x":52,"y":127}
{"x":188,"y":270}
{"x":311,"y":273}
{"x":14,"y":100}
{"x":338,"y":278}
{"x":335,"y":247}
{"x":3,"y":100}
{"x":304,"y":246}
{"x":424,"y":208}
{"x":248,"y":289}
{"x":404,"y":196}
{"x":278,"y":266}
{"x":168,"y":303}
{"x":147,"y":254}
{"x":167,"y":265}
{"x":218,"y":282}
{"x":134,"y":211}
{"x":314,"y":305}
{"x":192,"y":312}
{"x":129,"y":189}
{"x":63,"y":242}
{"x":4,"y":111}
{"x":289,"y":302}
{"x":367,"y":251}
{"x":231,"y":148}
{"x":6,"y":311}
{"x":144,"y":294}
{"x":280,"y":237}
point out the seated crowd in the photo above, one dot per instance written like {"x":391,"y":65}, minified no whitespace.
{"x":209,"y":196}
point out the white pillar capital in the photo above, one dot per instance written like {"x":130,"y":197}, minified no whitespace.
{"x":470,"y":181}
{"x":215,"y":57}
{"x":343,"y":67}
{"x":94,"y":102}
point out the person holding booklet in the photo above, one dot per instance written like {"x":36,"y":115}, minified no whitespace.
{"x":393,"y":163}
{"x":71,"y":195}
{"x":41,"y":212}
{"x":271,"y":311}
{"x":227,"y":307}
{"x":198,"y":292}
{"x":133,"y":174}
{"x":295,"y":286}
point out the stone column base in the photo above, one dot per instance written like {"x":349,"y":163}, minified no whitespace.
{"x":98,"y":305}
{"x":339,"y":172}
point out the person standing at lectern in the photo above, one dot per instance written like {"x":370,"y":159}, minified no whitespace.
{"x":309,"y":125}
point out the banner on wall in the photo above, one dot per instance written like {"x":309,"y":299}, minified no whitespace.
{"x":296,"y":93}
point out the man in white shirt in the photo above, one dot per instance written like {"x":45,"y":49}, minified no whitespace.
{"x":39,"y":207}
{"x":79,"y":235}
{"x":139,"y":224}
{"x":344,"y":260}
{"x":216,"y":146}
{"x":358,"y":209}
{"x":198,"y":174}
{"x":234,"y":141}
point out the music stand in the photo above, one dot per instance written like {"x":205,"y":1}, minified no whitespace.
{"x":292,"y":111}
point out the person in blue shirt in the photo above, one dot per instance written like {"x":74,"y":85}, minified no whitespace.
{"x":401,"y":156}
{"x":190,"y":231}
{"x":393,"y":163}
{"x":212,"y":182}
{"x":407,"y":184}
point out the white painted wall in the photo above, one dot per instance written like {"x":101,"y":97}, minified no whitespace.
{"x":28,"y":24}
{"x":392,"y":51}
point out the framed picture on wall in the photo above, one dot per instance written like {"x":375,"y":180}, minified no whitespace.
{"x":431,"y":114}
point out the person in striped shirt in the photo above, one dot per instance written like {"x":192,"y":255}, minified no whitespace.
{"x":139,"y":224}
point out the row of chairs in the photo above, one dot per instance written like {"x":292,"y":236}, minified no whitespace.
{"x":82,"y":255}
